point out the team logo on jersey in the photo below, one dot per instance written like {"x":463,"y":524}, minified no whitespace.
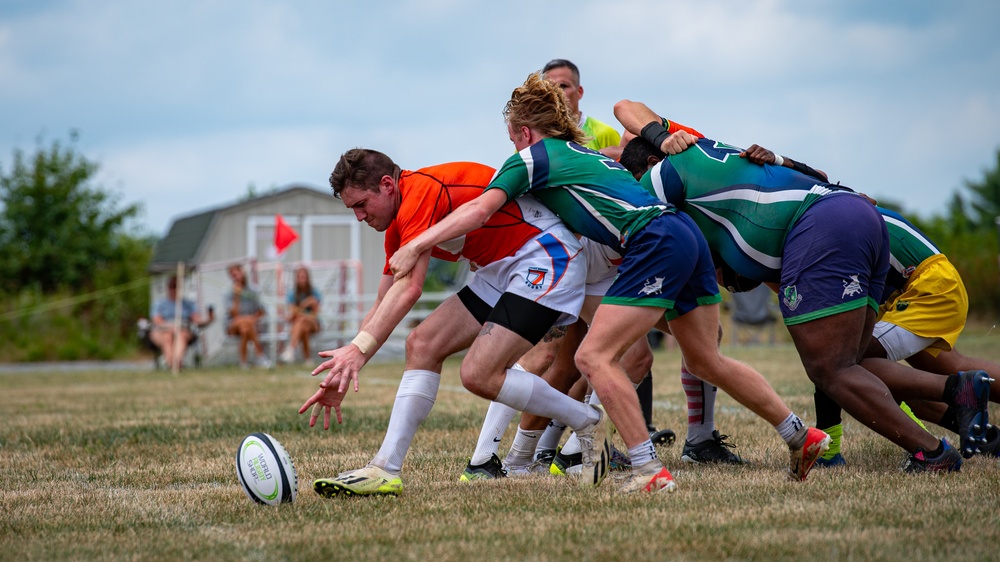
{"x":536,"y":277}
{"x":654,"y":288}
{"x":902,"y":305}
{"x":909,"y":271}
{"x":791,"y":297}
{"x":852,"y":287}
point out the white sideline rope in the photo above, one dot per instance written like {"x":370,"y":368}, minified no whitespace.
{"x":75,"y":300}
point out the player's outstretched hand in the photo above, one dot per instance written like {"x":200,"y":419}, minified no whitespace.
{"x":344,"y":365}
{"x":323,"y":400}
{"x":678,"y":142}
{"x":758,"y":155}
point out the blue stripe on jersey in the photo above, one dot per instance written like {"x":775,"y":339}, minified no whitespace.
{"x":536,"y":159}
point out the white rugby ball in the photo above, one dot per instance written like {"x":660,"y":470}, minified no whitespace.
{"x":265,"y":470}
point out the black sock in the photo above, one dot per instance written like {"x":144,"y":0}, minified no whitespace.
{"x":645,"y":392}
{"x":936,"y":452}
{"x":828,"y":413}
{"x":949,"y":390}
{"x":949,"y":420}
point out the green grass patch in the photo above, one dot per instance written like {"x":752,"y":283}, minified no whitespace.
{"x":140,"y":465}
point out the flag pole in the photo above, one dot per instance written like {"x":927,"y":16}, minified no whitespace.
{"x":178,"y":300}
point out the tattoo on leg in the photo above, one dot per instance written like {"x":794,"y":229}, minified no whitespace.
{"x":487,"y":329}
{"x":555,"y":333}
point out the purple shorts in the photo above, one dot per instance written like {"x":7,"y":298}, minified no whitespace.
{"x":835,"y":259}
{"x":667,"y":265}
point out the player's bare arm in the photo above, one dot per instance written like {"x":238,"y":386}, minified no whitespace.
{"x":640,"y":120}
{"x":760,"y":156}
{"x":402,"y":293}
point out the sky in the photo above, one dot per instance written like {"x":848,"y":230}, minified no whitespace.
{"x":185,"y":104}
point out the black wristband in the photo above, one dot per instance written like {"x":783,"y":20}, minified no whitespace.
{"x":805,"y":169}
{"x":656,"y":133}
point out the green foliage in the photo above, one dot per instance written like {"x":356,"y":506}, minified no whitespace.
{"x":973,"y":250}
{"x":968,"y":235}
{"x":66,"y":256}
{"x":985,"y":202}
{"x":56,"y":229}
{"x":444,"y":275}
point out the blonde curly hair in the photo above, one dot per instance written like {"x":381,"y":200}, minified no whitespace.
{"x":539,"y":104}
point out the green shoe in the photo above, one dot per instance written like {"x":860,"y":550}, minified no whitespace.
{"x":367,"y":481}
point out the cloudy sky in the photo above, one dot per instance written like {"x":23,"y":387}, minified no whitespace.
{"x":187,"y":103}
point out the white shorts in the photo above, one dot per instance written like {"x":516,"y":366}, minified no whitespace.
{"x":898,"y":342}
{"x":549,"y":270}
{"x":602,"y":267}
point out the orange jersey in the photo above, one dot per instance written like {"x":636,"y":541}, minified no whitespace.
{"x":673,"y":127}
{"x":430,"y":194}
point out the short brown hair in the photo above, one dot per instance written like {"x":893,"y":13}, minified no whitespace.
{"x":541,"y":105}
{"x":361,"y":168}
{"x":562,"y":63}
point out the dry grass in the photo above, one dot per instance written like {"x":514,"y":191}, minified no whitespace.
{"x":113,"y":466}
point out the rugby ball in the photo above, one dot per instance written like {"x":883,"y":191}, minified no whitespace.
{"x":265,"y":470}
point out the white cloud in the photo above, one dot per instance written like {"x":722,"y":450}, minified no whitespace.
{"x":186,"y":103}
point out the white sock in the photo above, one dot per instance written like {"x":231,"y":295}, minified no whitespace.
{"x":414,"y":399}
{"x":497,"y":419}
{"x":529,"y":393}
{"x":792,"y":430}
{"x":549,"y":440}
{"x":522,"y":450}
{"x":572,"y":445}
{"x":642,"y":453}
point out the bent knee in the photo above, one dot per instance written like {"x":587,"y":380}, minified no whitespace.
{"x":420,"y":347}
{"x":475,"y":382}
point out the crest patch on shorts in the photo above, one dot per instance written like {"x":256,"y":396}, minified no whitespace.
{"x":852,"y":287}
{"x":791,"y":297}
{"x":536,"y":277}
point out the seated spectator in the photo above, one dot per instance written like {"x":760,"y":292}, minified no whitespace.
{"x":172,"y":338}
{"x":302,"y":314}
{"x":243,"y":311}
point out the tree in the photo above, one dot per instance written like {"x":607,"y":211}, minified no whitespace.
{"x":986,"y":196}
{"x":57,"y":228}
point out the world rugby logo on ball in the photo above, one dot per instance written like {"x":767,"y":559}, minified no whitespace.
{"x":265,"y":470}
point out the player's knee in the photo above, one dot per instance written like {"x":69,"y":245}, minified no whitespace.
{"x":420,"y":347}
{"x":591,"y":362}
{"x":474,"y":380}
{"x":821,"y":373}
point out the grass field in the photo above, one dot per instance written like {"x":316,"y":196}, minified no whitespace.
{"x":140,"y":466}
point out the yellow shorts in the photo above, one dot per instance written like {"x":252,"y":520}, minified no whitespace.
{"x":932,"y":304}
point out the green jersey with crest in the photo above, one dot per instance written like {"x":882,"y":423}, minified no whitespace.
{"x":594,"y":195}
{"x":744,"y":210}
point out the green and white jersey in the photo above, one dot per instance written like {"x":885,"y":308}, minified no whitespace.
{"x":908,"y":248}
{"x":601,"y":134}
{"x":744,"y":210}
{"x":594,"y":195}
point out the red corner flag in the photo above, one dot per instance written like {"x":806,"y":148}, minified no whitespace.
{"x":284,"y":235}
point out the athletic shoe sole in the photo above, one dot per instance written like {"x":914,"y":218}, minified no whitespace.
{"x":331,"y":488}
{"x":976,"y":396}
{"x":803,"y":459}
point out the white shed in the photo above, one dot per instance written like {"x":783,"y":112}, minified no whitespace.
{"x":344,"y":256}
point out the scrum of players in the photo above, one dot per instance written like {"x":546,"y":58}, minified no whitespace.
{"x":583,"y":241}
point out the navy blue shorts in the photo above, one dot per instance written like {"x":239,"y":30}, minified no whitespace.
{"x":835,"y":259}
{"x":666,"y":265}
